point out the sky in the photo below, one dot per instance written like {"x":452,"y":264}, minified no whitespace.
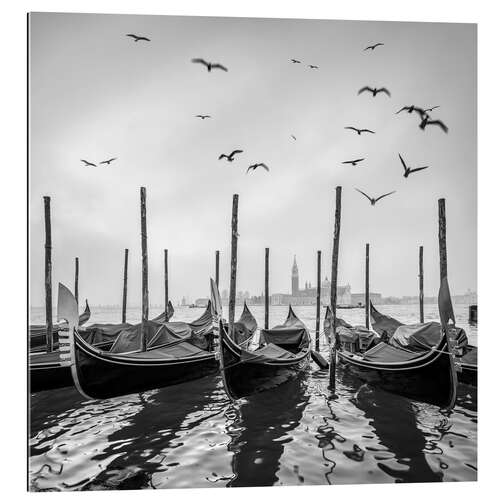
{"x":96,"y":94}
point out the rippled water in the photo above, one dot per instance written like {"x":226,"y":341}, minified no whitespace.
{"x":299,"y":433}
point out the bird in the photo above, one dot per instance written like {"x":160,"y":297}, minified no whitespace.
{"x":425,"y":121}
{"x":107,"y":161}
{"x":138,"y":38}
{"x":295,"y":61}
{"x":374,"y":200}
{"x":256,"y":165}
{"x":203,"y":116}
{"x":410,"y":109}
{"x":373,"y":47}
{"x":360,"y":130}
{"x":313,"y":66}
{"x":428,"y":110}
{"x":374,"y":90}
{"x":353,"y":162}
{"x":88,"y":164}
{"x":209,"y":65}
{"x":230,"y":157}
{"x":408,"y":170}
{"x":293,"y":137}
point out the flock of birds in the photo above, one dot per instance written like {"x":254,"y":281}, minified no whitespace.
{"x":422,"y":113}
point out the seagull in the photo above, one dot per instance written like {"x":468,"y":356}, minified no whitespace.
{"x":374,"y":90}
{"x":293,"y":137}
{"x":353,"y":162}
{"x":209,"y":65}
{"x":360,"y":130}
{"x":107,"y":161}
{"x":88,"y":164}
{"x":256,"y":165}
{"x":203,"y":116}
{"x":425,"y":121}
{"x":409,"y":171}
{"x":138,"y":38}
{"x":410,"y":109}
{"x":374,"y":200}
{"x":296,"y":61}
{"x":230,"y":157}
{"x":373,"y":47}
{"x":313,"y":66}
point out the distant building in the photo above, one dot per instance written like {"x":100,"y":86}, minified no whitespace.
{"x":201,"y":302}
{"x":359,"y":298}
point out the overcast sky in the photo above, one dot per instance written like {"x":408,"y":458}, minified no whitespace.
{"x":96,"y":94}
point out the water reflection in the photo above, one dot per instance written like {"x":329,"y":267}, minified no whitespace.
{"x":260,"y":428}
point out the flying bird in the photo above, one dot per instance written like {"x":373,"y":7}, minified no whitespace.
{"x":353,"y":162}
{"x":138,"y":38}
{"x":426,"y":121}
{"x":313,"y":66}
{"x":360,"y":130}
{"x":374,"y":90}
{"x":107,"y":161}
{"x":209,"y":65}
{"x":374,"y":200}
{"x":408,"y":170}
{"x":373,"y":47}
{"x":410,"y":109}
{"x":296,"y":61}
{"x":256,"y":165}
{"x":203,"y":116}
{"x":230,"y":157}
{"x":88,"y":164}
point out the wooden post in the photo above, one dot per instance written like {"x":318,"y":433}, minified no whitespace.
{"x":77,"y":269}
{"x":48,"y":274}
{"x":318,"y":300}
{"x":125,"y":277}
{"x":421,"y":282}
{"x":333,"y":291}
{"x":266,"y":289}
{"x":234,"y":260}
{"x":166,"y":283}
{"x":367,"y":286}
{"x":217,"y":268}
{"x":443,"y":259}
{"x":144,"y":250}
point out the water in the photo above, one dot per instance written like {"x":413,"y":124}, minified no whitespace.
{"x":299,"y":433}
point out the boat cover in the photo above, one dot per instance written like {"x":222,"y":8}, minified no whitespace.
{"x":292,"y":332}
{"x":354,"y":334}
{"x":385,"y":353}
{"x":470,"y":356}
{"x":382,"y":323}
{"x":245,"y":327}
{"x":265,"y":354}
{"x":180,"y":350}
{"x":328,"y":323}
{"x":102,"y":332}
{"x":129,"y":339}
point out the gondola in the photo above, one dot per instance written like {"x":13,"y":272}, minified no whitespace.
{"x":466,"y":354}
{"x":176,"y":352}
{"x":285,"y":352}
{"x":425,"y":373}
{"x":46,"y":372}
{"x":38,"y":333}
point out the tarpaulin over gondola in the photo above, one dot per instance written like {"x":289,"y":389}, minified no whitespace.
{"x":245,"y":327}
{"x":292,"y":332}
{"x":382,"y":324}
{"x":129,"y":339}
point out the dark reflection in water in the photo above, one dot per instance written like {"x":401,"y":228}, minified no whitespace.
{"x":260,"y":428}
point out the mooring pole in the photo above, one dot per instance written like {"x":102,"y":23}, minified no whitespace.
{"x":266,"y":289}
{"x":217,"y":268}
{"x":48,"y":274}
{"x":443,"y":257}
{"x":333,"y":291}
{"x":421,"y":282}
{"x":367,"y":286}
{"x":144,"y":250}
{"x":76,"y":279}
{"x":124,"y":298}
{"x":166,"y":282}
{"x":318,"y":300}
{"x":234,"y":260}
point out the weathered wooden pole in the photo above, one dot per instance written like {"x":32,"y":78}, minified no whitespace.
{"x":234,"y":260}
{"x":217,"y":255}
{"x":266,"y":289}
{"x":443,"y":258}
{"x":77,"y":270}
{"x":421,"y":282}
{"x":318,"y":300}
{"x":166,"y":282}
{"x":333,"y":291}
{"x":367,"y":286}
{"x":125,"y":278}
{"x":144,"y":250}
{"x":48,"y":274}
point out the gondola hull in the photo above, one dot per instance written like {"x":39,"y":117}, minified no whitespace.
{"x":429,"y":378}
{"x":47,"y":376}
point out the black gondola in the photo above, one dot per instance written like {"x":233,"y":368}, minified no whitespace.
{"x":466,"y":354}
{"x":285,"y":353}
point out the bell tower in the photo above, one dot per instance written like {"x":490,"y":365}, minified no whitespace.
{"x":295,"y":277}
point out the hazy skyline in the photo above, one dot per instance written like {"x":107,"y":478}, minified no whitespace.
{"x":96,"y":94}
